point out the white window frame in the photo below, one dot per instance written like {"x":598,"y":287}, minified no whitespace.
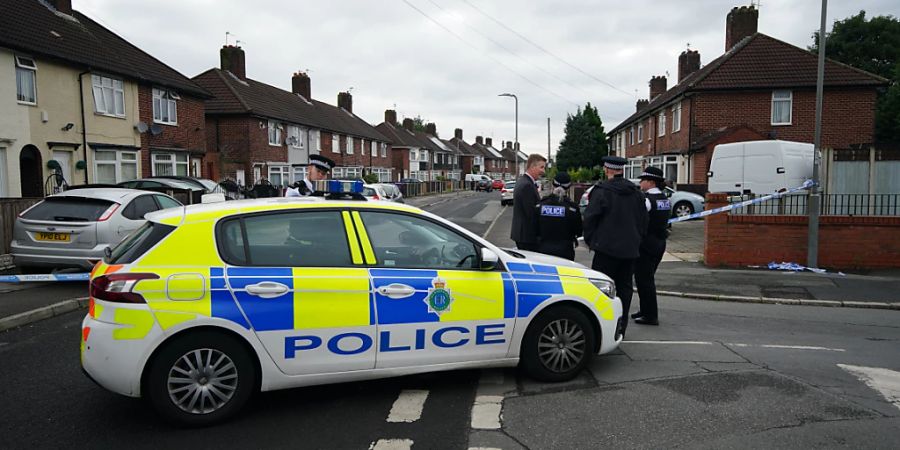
{"x":631,"y":135}
{"x":196,"y":168}
{"x":318,"y":139}
{"x":676,"y":118}
{"x":282,"y":171}
{"x":661,"y":122}
{"x":274,"y":131}
{"x":23,"y":68}
{"x":335,"y":143}
{"x":123,"y":158}
{"x":633,"y":168}
{"x":790,"y":102}
{"x":349,"y":145}
{"x":169,"y":99}
{"x":297,"y":133}
{"x":383,"y":150}
{"x":108,"y":89}
{"x":173,"y":160}
{"x":374,"y":148}
{"x":668,"y":164}
{"x":640,"y":132}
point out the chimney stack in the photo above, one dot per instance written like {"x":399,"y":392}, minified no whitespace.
{"x":642,"y":103}
{"x":345,"y":101}
{"x":231,"y":58}
{"x":63,"y":6}
{"x":740,"y":23}
{"x":658,"y":85}
{"x":688,"y":63}
{"x":479,"y":140}
{"x":390,"y":116}
{"x":300,"y":84}
{"x":487,"y":141}
{"x":431,"y":129}
{"x":457,"y":133}
{"x":509,"y":145}
{"x":408,"y":124}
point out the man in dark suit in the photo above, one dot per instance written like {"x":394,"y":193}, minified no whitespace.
{"x":525,"y":197}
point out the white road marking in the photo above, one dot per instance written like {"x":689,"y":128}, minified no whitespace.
{"x":885,"y":381}
{"x":493,"y":222}
{"x":391,"y":444}
{"x":486,"y":412}
{"x":670,"y":342}
{"x":804,"y":347}
{"x":734,"y":344}
{"x":408,"y":406}
{"x":484,"y":448}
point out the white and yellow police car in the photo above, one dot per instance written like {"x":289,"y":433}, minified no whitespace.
{"x":207,"y":304}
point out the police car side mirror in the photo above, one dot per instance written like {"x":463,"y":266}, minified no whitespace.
{"x":489,"y":259}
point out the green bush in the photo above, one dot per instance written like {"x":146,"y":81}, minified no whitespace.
{"x":370,"y":178}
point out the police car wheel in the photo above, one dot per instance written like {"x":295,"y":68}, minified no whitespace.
{"x":557,"y":345}
{"x":200,"y":379}
{"x":682,"y":209}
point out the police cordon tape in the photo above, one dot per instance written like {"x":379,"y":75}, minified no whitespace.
{"x":806,"y":185}
{"x":45,"y":277}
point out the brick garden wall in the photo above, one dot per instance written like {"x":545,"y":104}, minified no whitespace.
{"x":844,"y":242}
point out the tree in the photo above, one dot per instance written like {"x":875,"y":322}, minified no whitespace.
{"x":585,"y":141}
{"x":874,"y":46}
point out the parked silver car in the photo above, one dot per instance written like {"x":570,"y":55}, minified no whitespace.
{"x":383,"y":191}
{"x":683,"y":203}
{"x":73,"y":228}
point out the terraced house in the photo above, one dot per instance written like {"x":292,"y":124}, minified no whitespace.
{"x":760,"y":88}
{"x":76,"y":97}
{"x":256,"y":131}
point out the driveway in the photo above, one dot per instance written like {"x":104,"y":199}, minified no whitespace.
{"x":685,"y":243}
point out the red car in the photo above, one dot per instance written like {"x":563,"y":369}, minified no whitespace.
{"x":497,"y":184}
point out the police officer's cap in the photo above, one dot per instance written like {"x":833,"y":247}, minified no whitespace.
{"x":562,"y":180}
{"x":321,"y":162}
{"x":614,"y":162}
{"x":653,"y":173}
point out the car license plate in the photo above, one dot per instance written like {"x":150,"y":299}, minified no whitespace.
{"x":53,"y":237}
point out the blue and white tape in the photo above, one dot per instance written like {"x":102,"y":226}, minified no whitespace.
{"x":806,"y":185}
{"x":45,"y":277}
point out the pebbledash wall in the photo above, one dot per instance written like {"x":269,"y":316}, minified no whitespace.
{"x":845,"y":242}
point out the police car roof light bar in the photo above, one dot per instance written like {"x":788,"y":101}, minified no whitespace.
{"x":340,"y":190}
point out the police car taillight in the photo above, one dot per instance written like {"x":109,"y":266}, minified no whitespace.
{"x":117,"y":287}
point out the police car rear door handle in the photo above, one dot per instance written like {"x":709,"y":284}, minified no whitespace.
{"x":396,"y":290}
{"x":267,"y":289}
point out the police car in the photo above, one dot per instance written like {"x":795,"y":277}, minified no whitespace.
{"x":206,"y":304}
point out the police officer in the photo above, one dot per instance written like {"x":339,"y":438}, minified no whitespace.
{"x":652,"y":246}
{"x":559,"y":221}
{"x":318,"y":169}
{"x":615,"y":221}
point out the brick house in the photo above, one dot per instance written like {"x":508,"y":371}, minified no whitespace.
{"x":405,"y":146}
{"x":76,"y":93}
{"x":493,"y":159}
{"x":760,"y":88}
{"x":257,"y":131}
{"x":469,"y":158}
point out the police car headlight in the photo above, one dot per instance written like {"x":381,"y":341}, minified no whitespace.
{"x":607,"y":287}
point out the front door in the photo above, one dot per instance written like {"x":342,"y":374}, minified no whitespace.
{"x":433,"y":306}
{"x":296,"y":279}
{"x":31,"y":172}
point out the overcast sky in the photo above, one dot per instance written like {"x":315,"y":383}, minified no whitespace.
{"x":449,"y":67}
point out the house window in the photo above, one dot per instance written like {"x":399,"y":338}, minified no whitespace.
{"x":278,"y":175}
{"x":113,"y":167}
{"x":299,"y":173}
{"x":170,"y":164}
{"x":631,"y":135}
{"x":668,"y":164}
{"x":676,"y":117}
{"x":335,"y":143}
{"x":295,"y":136}
{"x":275,"y":133}
{"x":164,"y":107}
{"x":374,"y":146}
{"x":641,"y":132}
{"x":349,"y":145}
{"x":109,"y":96}
{"x":346,"y":173}
{"x":26,"y":88}
{"x":633,"y":168}
{"x":661,"y":122}
{"x":781,"y":107}
{"x":383,"y":150}
{"x":317,"y":136}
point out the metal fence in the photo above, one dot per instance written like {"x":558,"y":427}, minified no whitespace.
{"x":832,"y":205}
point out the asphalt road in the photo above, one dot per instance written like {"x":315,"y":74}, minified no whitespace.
{"x":713,"y":375}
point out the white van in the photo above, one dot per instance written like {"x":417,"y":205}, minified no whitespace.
{"x":759,"y":167}
{"x":477,"y":177}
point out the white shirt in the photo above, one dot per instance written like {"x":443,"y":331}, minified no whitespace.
{"x":653,"y":190}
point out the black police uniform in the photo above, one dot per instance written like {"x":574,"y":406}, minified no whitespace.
{"x":653,"y":246}
{"x":559,"y":225}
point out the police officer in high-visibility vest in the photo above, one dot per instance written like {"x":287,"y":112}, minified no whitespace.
{"x":652,"y":246}
{"x":559,"y":221}
{"x":318,"y":169}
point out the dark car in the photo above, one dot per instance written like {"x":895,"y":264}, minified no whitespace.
{"x":484,"y":185}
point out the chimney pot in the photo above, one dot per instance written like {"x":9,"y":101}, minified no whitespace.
{"x":408,"y":124}
{"x":457,"y":133}
{"x":390,"y":116}
{"x":345,"y":101}
{"x":688,"y":63}
{"x":300,"y":84}
{"x":740,"y":23}
{"x":642,"y":103}
{"x":232,"y":59}
{"x":658,"y":85}
{"x":431,"y":129}
{"x":487,"y":141}
{"x":479,"y":140}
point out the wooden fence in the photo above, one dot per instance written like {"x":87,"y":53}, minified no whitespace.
{"x":9,"y":210}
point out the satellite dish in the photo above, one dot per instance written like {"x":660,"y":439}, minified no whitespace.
{"x":141,"y":127}
{"x":155,"y":129}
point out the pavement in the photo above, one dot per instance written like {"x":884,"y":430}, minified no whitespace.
{"x":681,"y":274}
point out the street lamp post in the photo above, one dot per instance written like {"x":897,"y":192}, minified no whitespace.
{"x":506,"y":94}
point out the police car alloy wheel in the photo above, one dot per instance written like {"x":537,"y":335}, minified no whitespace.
{"x":558,"y":344}
{"x":201,"y":378}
